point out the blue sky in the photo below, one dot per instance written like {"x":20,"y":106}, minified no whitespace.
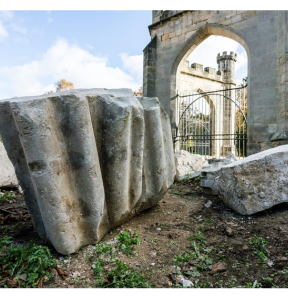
{"x":89,"y":48}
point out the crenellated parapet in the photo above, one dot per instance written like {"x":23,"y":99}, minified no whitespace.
{"x":197,"y":70}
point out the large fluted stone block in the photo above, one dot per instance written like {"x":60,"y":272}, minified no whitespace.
{"x":87,"y":160}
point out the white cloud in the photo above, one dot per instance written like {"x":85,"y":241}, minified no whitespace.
{"x":133,"y":64}
{"x":6,"y":17}
{"x":206,"y":54}
{"x":15,"y":27}
{"x":6,"y":14}
{"x":63,"y":60}
{"x":3,"y":32}
{"x":90,"y":47}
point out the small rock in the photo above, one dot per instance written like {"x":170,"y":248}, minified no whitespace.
{"x":208,"y":204}
{"x":23,"y":276}
{"x":152,"y":264}
{"x":158,"y":229}
{"x":76,"y":274}
{"x":270,"y":263}
{"x":152,"y":253}
{"x":186,"y":283}
{"x":218,"y":267}
{"x":229,"y":231}
{"x":281,"y":258}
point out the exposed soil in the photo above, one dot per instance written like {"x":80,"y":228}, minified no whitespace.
{"x":164,"y":231}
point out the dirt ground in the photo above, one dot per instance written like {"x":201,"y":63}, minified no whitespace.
{"x":164,"y":231}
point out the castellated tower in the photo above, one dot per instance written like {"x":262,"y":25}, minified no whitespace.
{"x":226,"y":66}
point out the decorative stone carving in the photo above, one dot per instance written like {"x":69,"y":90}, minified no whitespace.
{"x":87,"y":160}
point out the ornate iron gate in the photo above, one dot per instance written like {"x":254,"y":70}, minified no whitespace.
{"x":212,"y":124}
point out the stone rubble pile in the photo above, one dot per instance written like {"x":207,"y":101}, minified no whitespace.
{"x":87,"y":160}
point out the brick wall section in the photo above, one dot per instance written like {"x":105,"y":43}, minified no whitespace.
{"x":264,"y":36}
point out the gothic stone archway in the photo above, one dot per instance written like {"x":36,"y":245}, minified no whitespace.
{"x":175,"y":34}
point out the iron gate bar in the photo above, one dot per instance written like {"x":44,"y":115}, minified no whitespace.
{"x":215,"y":117}
{"x":213,"y":95}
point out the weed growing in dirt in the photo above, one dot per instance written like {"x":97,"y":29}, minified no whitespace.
{"x":33,"y":260}
{"x":187,"y":177}
{"x":198,"y":237}
{"x":153,"y":241}
{"x":127,"y":242}
{"x":121,"y":276}
{"x":259,"y":247}
{"x":175,"y":193}
{"x":250,"y":285}
{"x":5,"y":196}
{"x":207,"y":220}
{"x":104,"y":249}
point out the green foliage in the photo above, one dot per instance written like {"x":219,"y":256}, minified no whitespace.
{"x":98,"y":267}
{"x":121,"y":276}
{"x":250,"y":285}
{"x":207,"y":220}
{"x":6,"y":196}
{"x":267,"y":279}
{"x":104,"y":249}
{"x":153,"y":241}
{"x":187,"y":177}
{"x":198,"y":237}
{"x":127,"y":242}
{"x":33,"y":260}
{"x":179,"y":259}
{"x":259,"y":247}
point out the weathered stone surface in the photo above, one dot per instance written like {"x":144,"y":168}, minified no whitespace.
{"x":187,"y":164}
{"x":207,"y":176}
{"x":87,"y":160}
{"x":7,"y":173}
{"x":255,"y":183}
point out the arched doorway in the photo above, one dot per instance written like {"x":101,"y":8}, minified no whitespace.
{"x":212,"y":124}
{"x":263,"y":34}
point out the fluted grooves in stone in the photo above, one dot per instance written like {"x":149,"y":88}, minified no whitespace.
{"x":87,"y":160}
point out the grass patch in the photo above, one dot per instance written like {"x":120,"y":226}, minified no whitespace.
{"x":120,"y":276}
{"x":259,"y":247}
{"x":5,"y":196}
{"x":127,"y":242}
{"x":33,"y":260}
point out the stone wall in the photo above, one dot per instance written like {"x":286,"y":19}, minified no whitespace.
{"x":263,"y":34}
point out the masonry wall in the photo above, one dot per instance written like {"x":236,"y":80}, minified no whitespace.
{"x":264,"y":37}
{"x":190,"y":79}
